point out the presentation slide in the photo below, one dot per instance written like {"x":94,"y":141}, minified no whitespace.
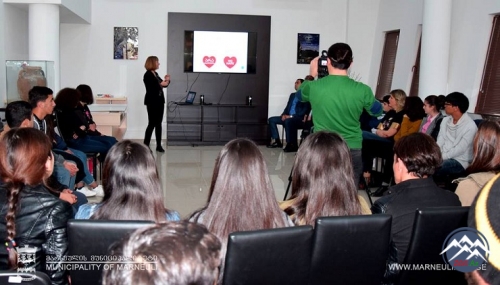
{"x":220,"y":52}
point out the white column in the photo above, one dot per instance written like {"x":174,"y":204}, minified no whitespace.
{"x":44,"y":36}
{"x":435,"y":49}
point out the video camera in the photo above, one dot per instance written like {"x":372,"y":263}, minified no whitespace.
{"x":323,"y":64}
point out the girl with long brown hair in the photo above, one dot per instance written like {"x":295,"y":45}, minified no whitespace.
{"x":322,"y":181}
{"x":485,"y":163}
{"x":132,"y":187}
{"x":30,"y":215}
{"x":241,"y":196}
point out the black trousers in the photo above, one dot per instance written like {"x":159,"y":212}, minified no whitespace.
{"x":155,"y":116}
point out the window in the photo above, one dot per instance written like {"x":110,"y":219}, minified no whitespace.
{"x":416,"y":73}
{"x":488,"y":101}
{"x":387,"y":64}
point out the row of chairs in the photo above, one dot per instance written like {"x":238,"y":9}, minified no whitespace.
{"x":339,"y":250}
{"x":342,"y":250}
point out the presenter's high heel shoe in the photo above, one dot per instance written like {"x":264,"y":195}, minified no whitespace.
{"x":160,"y":149}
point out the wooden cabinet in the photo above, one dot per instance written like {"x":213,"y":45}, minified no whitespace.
{"x":213,"y":124}
{"x":110,"y":116}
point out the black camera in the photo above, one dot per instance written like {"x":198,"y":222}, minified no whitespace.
{"x":323,"y":64}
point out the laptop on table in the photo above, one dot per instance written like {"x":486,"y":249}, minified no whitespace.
{"x":189,"y":99}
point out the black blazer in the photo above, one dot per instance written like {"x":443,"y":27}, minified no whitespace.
{"x":154,"y":91}
{"x":301,"y":109}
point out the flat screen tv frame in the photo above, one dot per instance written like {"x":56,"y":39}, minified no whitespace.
{"x":251,"y":59}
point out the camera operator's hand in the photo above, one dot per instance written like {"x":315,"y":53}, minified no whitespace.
{"x":313,"y":67}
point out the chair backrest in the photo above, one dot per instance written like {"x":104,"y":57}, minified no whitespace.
{"x":430,"y":229}
{"x":276,"y":256}
{"x":13,"y":277}
{"x":93,"y":238}
{"x":350,"y":249}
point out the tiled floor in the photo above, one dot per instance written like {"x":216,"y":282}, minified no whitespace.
{"x":186,"y":173}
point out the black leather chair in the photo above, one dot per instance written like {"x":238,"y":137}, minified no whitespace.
{"x":276,"y":256}
{"x":430,"y":229}
{"x":350,"y":249}
{"x":9,"y":277}
{"x":91,"y":238}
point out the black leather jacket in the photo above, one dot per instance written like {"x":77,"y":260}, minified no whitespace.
{"x":41,"y":220}
{"x":402,"y":201}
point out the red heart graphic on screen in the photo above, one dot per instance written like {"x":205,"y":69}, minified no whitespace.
{"x":230,"y":61}
{"x":209,"y":61}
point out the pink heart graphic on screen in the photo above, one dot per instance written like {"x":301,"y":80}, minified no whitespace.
{"x":209,"y":61}
{"x":230,"y":61}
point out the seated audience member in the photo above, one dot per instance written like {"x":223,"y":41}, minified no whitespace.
{"x":383,"y":137}
{"x":370,"y":123}
{"x":73,"y":126}
{"x":455,"y":136}
{"x":326,"y":188}
{"x":87,"y":98}
{"x":416,"y":157}
{"x":431,"y":123}
{"x":391,"y":122}
{"x":41,"y":99}
{"x":412,"y":119}
{"x":241,"y":196}
{"x":291,"y":119}
{"x":187,"y":254}
{"x":19,"y":115}
{"x":485,"y":164}
{"x":29,"y":214}
{"x":132,"y":187}
{"x":484,"y":216}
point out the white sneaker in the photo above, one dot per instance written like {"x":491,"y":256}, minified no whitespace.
{"x":98,"y":190}
{"x":87,"y":192}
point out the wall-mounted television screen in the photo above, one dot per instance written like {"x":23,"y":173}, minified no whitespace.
{"x":220,"y":51}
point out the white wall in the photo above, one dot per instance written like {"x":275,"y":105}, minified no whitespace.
{"x":82,"y":8}
{"x":471,"y":25}
{"x":405,"y":16}
{"x":86,"y":50}
{"x":470,"y":33}
{"x":14,"y":38}
{"x":3,"y":89}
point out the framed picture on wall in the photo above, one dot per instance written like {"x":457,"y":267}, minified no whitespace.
{"x":126,"y":43}
{"x":307,"y":47}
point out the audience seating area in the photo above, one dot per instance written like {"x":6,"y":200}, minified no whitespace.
{"x":430,"y":229}
{"x":92,"y":239}
{"x":343,"y":250}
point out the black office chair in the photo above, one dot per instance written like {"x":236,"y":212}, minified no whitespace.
{"x":13,"y":277}
{"x":92,"y":155}
{"x":276,"y":256}
{"x":430,"y":229}
{"x":91,"y":238}
{"x":350,"y":249}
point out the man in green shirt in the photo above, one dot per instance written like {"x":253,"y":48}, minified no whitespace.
{"x":337,"y":101}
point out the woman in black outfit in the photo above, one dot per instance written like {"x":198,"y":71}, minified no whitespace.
{"x":154,"y":100}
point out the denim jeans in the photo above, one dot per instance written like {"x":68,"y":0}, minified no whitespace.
{"x":88,"y":179}
{"x":357,"y":165}
{"x":63,"y":176}
{"x":372,"y":136}
{"x":291,"y":126}
{"x":449,"y":166}
{"x":80,"y":200}
{"x":91,"y":144}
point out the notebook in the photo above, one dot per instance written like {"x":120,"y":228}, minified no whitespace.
{"x":189,"y":99}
